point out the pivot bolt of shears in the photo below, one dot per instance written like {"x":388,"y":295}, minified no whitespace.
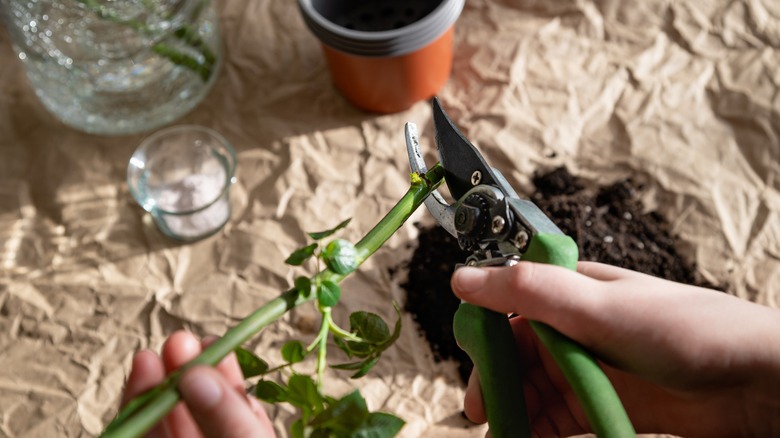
{"x":520,"y":240}
{"x":466,"y":219}
{"x":476,"y":178}
{"x":498,"y":224}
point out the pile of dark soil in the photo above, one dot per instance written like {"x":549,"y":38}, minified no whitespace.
{"x":608,"y":223}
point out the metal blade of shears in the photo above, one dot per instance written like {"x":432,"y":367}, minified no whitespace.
{"x":437,"y":206}
{"x":464,"y":166}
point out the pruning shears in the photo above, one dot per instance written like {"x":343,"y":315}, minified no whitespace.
{"x":499,"y":228}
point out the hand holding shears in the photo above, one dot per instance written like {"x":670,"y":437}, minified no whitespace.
{"x":499,"y":228}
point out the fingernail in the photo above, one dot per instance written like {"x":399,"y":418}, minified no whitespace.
{"x":200,"y":389}
{"x":469,"y":280}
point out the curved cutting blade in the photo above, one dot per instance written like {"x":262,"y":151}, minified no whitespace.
{"x":464,"y":166}
{"x":440,"y":210}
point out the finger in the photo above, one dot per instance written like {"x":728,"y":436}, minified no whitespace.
{"x":180,"y":348}
{"x":603,"y":272}
{"x":472,"y":403}
{"x":219,"y":410}
{"x":261,"y":414}
{"x":146,"y":372}
{"x":539,"y":292}
{"x":543,"y":382}
{"x":228,"y":366}
{"x":553,"y":404}
{"x":231,"y":371}
{"x":526,"y":342}
{"x":543,"y":426}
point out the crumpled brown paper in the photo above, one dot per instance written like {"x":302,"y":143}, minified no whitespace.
{"x":683,"y":93}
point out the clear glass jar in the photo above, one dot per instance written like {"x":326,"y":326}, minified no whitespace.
{"x":182,"y":176}
{"x":116,"y":67}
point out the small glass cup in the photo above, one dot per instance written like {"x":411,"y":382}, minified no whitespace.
{"x":182,"y":177}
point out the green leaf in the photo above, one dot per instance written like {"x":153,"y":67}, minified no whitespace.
{"x":396,"y":329}
{"x":182,"y":59}
{"x":360,"y":349}
{"x":303,"y":286}
{"x":250,"y":364}
{"x":349,"y":366}
{"x":367,"y":365}
{"x":297,"y":429}
{"x":328,"y":294}
{"x":362,"y":367}
{"x":270,"y":392}
{"x":328,"y":399}
{"x":369,"y":326}
{"x":293,"y":351}
{"x":190,"y":35}
{"x":321,"y":433}
{"x":343,"y":346}
{"x":352,"y":348}
{"x":300,"y":255}
{"x":302,"y":392}
{"x":344,"y":416}
{"x":379,"y":425}
{"x":340,"y":256}
{"x":326,"y":233}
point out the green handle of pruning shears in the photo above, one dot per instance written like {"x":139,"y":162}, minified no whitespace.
{"x":487,"y":338}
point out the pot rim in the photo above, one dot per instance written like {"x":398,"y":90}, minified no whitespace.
{"x":395,"y":42}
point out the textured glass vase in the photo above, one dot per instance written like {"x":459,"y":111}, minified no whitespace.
{"x":116,"y":67}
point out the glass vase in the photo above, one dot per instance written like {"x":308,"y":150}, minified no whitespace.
{"x":116,"y":67}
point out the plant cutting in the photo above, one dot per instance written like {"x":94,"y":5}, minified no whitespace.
{"x":364,"y":341}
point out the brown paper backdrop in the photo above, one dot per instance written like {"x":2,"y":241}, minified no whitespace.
{"x":685,"y":94}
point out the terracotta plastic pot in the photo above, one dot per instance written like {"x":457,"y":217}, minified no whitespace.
{"x":385,"y":55}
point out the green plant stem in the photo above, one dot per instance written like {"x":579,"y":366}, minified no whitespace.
{"x":138,"y":420}
{"x":184,"y":60}
{"x":316,"y":342}
{"x":322,"y":352}
{"x":340,"y":332}
{"x":277,"y":368}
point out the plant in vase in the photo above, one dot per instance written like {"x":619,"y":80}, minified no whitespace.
{"x":109,"y":67}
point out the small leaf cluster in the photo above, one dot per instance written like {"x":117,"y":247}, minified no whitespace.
{"x":372,"y":337}
{"x":368,"y":336}
{"x":323,"y":416}
{"x":340,"y":257}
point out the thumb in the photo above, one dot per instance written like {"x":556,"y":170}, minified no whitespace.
{"x":217,"y":407}
{"x":540,"y":292}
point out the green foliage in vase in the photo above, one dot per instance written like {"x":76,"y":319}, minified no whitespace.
{"x":199,"y":58}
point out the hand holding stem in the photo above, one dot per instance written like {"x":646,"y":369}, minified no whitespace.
{"x":214,"y":400}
